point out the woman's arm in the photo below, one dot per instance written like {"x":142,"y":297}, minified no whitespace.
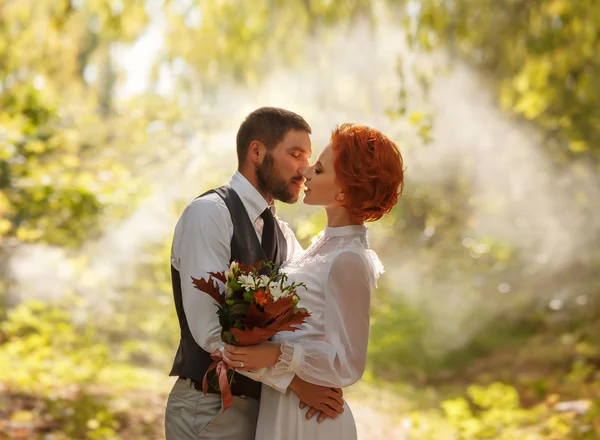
{"x":339,"y":360}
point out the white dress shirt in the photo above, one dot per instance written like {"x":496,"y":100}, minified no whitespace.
{"x":202,"y":244}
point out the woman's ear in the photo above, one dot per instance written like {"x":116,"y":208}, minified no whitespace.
{"x":340,"y":196}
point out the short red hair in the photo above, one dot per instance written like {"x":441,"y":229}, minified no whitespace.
{"x":369,"y":168}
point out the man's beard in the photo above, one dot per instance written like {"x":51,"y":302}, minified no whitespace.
{"x":271,"y":182}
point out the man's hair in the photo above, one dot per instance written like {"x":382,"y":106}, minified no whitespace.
{"x":268,"y":125}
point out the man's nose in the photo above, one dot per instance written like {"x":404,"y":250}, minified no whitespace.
{"x":304,"y":171}
{"x":304,"y":163}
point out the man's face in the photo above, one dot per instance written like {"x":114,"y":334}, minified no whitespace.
{"x":280,"y":173}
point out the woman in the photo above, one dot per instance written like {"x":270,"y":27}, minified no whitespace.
{"x":358,"y":177}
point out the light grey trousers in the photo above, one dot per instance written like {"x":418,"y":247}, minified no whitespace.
{"x":192,"y":415}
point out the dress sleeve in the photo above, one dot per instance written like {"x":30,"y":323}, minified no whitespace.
{"x":338,"y":360}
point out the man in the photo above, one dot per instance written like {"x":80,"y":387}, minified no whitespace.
{"x":235,"y":222}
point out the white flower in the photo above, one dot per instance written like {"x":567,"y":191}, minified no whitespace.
{"x":233,"y":268}
{"x":229,"y":291}
{"x":247,"y":281}
{"x":264,"y":281}
{"x":276,"y":291}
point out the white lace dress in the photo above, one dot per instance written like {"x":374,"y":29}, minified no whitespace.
{"x":330,"y":349}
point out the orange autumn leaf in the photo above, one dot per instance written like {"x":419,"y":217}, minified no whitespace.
{"x":247,"y":268}
{"x":287,"y":320}
{"x":209,"y":287}
{"x":276,"y":308}
{"x":255,"y":317}
{"x":284,"y":322}
{"x":252,"y":337}
{"x":258,"y":318}
{"x":219,"y":275}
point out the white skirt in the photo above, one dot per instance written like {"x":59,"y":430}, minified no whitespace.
{"x":280,"y":418}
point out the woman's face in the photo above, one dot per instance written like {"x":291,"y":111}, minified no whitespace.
{"x":321,"y":186}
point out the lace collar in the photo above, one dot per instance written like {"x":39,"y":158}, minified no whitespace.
{"x":341,"y":231}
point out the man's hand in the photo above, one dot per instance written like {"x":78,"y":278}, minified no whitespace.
{"x":327,"y":401}
{"x":313,"y":411}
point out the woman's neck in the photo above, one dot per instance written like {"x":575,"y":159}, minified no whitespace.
{"x":338,"y":216}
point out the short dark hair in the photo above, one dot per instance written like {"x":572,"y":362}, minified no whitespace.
{"x":268,"y":125}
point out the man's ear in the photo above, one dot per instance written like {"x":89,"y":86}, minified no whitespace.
{"x":256,"y":152}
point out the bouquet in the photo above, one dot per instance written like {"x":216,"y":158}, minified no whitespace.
{"x":256,"y":303}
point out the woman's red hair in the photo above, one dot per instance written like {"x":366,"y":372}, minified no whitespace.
{"x":369,"y":168}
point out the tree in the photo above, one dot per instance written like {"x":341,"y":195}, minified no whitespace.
{"x":543,"y":53}
{"x":58,"y":124}
{"x":243,"y":40}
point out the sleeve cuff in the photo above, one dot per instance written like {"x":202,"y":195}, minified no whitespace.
{"x":289,"y":359}
{"x":281,"y":383}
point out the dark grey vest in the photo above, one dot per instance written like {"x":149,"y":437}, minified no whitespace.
{"x":191,"y":360}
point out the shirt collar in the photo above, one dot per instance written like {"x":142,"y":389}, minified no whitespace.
{"x":253,"y":201}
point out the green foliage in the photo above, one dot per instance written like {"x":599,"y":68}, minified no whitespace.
{"x":494,"y":412}
{"x":543,"y":53}
{"x":396,"y":345}
{"x":61,"y":136}
{"x":244,"y":40}
{"x":142,"y":328}
{"x":43,"y":335}
{"x":66,"y":372}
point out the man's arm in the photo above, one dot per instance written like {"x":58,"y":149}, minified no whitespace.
{"x":201,"y":244}
{"x":327,"y":402}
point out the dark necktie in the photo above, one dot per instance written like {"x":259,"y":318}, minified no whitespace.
{"x":269,"y":236}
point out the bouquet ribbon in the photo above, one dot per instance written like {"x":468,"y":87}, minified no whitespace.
{"x":221,"y":370}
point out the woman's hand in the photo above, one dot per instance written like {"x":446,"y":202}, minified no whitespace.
{"x":252,"y":357}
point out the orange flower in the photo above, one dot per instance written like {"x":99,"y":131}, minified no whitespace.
{"x":261,"y":297}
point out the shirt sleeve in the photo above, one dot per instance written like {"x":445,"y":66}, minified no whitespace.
{"x":339,"y":360}
{"x":202,"y":244}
